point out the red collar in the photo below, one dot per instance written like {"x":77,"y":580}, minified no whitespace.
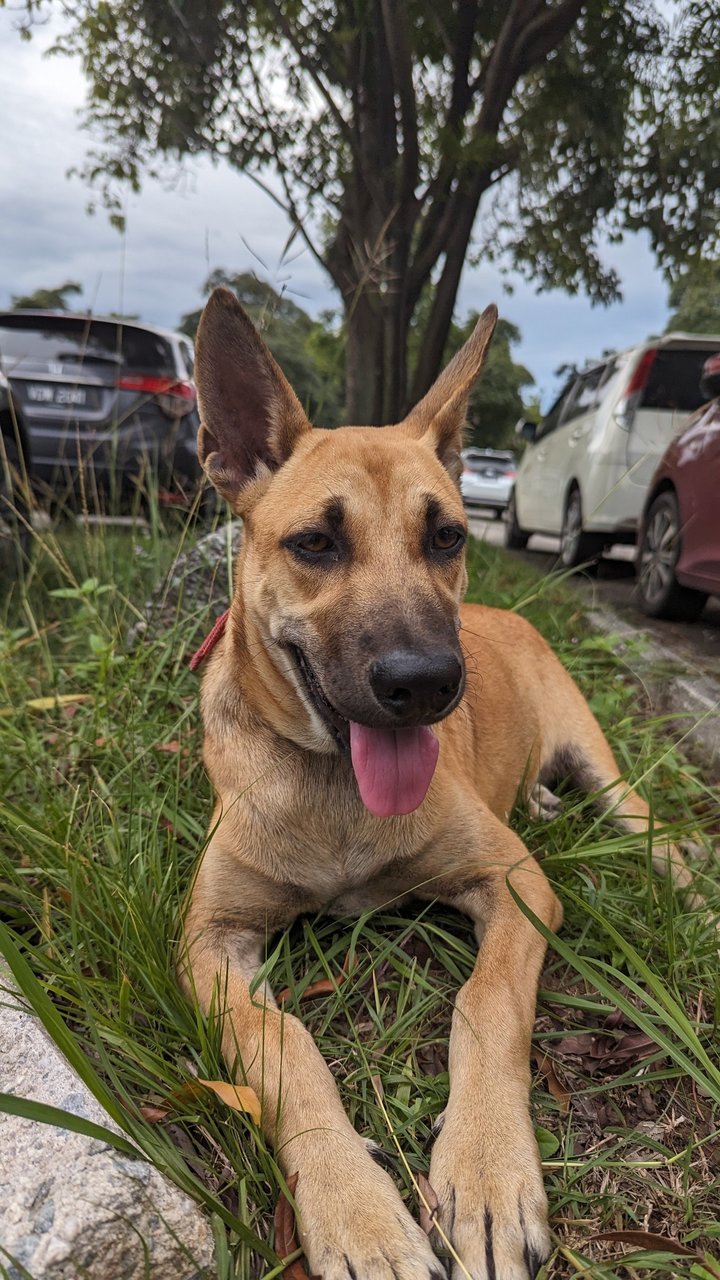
{"x":209,"y":642}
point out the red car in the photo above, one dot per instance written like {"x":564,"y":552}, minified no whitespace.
{"x":678,"y":562}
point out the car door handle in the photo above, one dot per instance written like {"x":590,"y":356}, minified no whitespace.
{"x":576,"y":435}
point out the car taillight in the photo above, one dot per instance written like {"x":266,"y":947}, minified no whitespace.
{"x":626,"y":406}
{"x":174,"y":398}
{"x":510,"y":475}
{"x":638,"y":382}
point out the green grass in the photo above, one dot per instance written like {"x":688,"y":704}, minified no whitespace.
{"x":104,"y":805}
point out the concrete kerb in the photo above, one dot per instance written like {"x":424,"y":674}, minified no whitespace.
{"x":692,"y":697}
{"x":74,"y":1206}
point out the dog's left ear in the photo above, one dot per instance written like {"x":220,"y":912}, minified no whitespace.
{"x":440,"y":415}
{"x":251,"y":417}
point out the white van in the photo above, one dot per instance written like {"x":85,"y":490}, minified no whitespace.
{"x":589,"y":462}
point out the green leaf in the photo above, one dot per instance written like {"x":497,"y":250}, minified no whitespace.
{"x":547,"y":1142}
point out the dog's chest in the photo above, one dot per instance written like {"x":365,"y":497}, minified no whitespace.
{"x":319,"y":836}
{"x":331,"y":858}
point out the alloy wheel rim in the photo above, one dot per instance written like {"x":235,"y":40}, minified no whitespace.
{"x":571,"y":531}
{"x":659,"y":554}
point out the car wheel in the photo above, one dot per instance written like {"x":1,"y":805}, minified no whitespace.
{"x":661,"y":595}
{"x":576,"y":546}
{"x":516,"y":539}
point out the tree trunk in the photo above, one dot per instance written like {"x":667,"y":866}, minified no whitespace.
{"x":364,"y":361}
{"x":437,"y":329}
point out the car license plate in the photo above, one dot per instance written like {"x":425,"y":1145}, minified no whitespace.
{"x":55,"y":394}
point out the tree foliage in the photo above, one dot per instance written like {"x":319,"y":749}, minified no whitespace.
{"x":695,"y":299}
{"x":309,"y":352}
{"x":384,"y":129}
{"x":497,"y":401}
{"x":52,"y":299}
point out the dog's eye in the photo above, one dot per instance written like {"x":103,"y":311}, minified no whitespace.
{"x":447,"y":539}
{"x":314,"y":543}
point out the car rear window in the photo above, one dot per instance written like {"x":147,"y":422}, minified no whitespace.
{"x":480,"y":457}
{"x":674,"y":380}
{"x":74,"y":340}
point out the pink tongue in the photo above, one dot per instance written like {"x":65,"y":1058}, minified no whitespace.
{"x":393,"y":767}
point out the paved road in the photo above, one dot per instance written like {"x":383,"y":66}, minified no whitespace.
{"x":697,"y":642}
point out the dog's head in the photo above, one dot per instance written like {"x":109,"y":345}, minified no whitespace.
{"x":352,"y":568}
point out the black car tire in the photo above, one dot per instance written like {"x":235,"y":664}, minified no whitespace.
{"x":576,"y":546}
{"x":516,"y":539}
{"x":661,"y":595}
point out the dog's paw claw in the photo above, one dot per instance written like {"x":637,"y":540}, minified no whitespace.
{"x":493,"y":1212}
{"x":357,"y":1227}
{"x":437,"y":1124}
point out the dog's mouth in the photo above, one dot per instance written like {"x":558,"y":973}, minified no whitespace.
{"x":338,"y":726}
{"x":393,"y":767}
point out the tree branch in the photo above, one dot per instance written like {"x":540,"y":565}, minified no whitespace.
{"x":309,"y":67}
{"x":289,"y":206}
{"x":526,"y":37}
{"x":401,"y":64}
{"x":461,"y":94}
{"x":547,"y":31}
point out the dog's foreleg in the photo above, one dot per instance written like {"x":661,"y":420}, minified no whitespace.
{"x":351,"y":1218}
{"x":485,"y":1166}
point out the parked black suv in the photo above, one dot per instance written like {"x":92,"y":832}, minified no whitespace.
{"x":14,"y":485}
{"x":108,"y":405}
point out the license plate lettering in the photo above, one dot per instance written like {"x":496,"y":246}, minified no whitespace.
{"x":65,"y":396}
{"x":70,"y":395}
{"x":41,"y":395}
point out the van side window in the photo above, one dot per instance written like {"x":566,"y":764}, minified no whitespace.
{"x":585,"y":396}
{"x":189,"y":355}
{"x":554,"y":413}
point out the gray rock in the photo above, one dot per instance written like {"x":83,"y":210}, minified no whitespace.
{"x":72,"y":1206}
{"x":195,"y":591}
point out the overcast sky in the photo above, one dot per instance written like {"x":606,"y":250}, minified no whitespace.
{"x":218,"y":218}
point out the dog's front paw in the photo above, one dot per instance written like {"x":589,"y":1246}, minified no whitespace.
{"x":492,"y":1206}
{"x":353,"y":1224}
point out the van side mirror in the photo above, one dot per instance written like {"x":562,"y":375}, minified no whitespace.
{"x":526,"y":429}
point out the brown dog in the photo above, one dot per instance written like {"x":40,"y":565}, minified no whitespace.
{"x":346,"y":641}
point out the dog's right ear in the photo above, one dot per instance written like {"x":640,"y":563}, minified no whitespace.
{"x":250,"y":416}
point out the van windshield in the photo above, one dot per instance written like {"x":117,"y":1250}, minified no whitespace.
{"x":674,"y":381}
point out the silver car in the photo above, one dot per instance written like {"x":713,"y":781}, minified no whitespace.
{"x":487,"y":478}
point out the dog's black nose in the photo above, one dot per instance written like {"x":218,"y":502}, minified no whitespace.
{"x":413,"y":684}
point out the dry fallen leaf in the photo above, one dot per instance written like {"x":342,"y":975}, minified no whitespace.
{"x":648,"y":1241}
{"x":238,"y":1096}
{"x":153,"y":1114}
{"x":429,"y":1204}
{"x":50,"y":703}
{"x":286,"y":1242}
{"x":554,"y":1087}
{"x":323,"y":987}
